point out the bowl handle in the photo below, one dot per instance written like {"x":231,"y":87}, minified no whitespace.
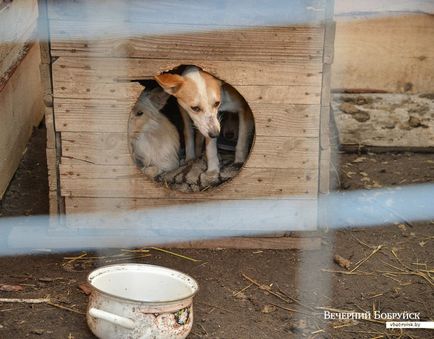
{"x":112,"y":318}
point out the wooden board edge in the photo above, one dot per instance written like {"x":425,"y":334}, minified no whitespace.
{"x":4,"y":78}
{"x":18,"y":89}
{"x":263,"y":243}
{"x":353,"y":148}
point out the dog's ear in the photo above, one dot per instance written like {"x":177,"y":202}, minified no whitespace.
{"x":171,"y":83}
{"x":158,"y":97}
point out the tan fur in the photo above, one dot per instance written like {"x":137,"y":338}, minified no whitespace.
{"x":170,"y":82}
{"x":187,"y":93}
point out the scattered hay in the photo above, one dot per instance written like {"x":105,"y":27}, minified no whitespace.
{"x":193,"y":177}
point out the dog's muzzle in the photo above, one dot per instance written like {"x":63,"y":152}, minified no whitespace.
{"x":213,"y":134}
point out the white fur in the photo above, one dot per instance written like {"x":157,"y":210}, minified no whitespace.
{"x":153,"y":138}
{"x":193,"y":73}
{"x":207,"y":121}
{"x":213,"y":164}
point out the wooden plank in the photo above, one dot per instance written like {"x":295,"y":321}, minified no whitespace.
{"x":326,"y":86}
{"x":51,"y":153}
{"x":112,"y":149}
{"x":81,"y":115}
{"x":325,"y":127}
{"x":20,"y":110}
{"x":329,"y":39}
{"x":324,"y":171}
{"x":52,"y":170}
{"x":395,"y":120}
{"x":344,"y":8}
{"x":120,"y":91}
{"x":17,"y":25}
{"x":160,"y":41}
{"x":284,"y":152}
{"x":223,"y":12}
{"x":22,"y":237}
{"x":12,"y":53}
{"x":295,"y":95}
{"x":49,"y":124}
{"x":96,"y":148}
{"x":47,"y":90}
{"x":392,"y":54}
{"x":107,"y":70}
{"x":44,"y":32}
{"x":80,"y":205}
{"x":87,"y":212}
{"x":52,"y":181}
{"x":325,"y":121}
{"x":127,"y":181}
{"x":281,"y":243}
{"x":88,"y":78}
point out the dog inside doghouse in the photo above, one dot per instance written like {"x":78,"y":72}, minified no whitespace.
{"x":189,"y":130}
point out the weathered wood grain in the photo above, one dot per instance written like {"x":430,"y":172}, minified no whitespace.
{"x":97,"y":78}
{"x":81,"y":115}
{"x":160,"y":41}
{"x":112,"y":149}
{"x":301,"y":95}
{"x":324,"y":171}
{"x":20,"y":110}
{"x":17,"y":26}
{"x":173,"y":219}
{"x":345,"y":9}
{"x":276,"y":243}
{"x":52,"y":180}
{"x":392,"y":54}
{"x":223,"y":12}
{"x":89,"y":212}
{"x":107,"y":70}
{"x":78,"y":208}
{"x":22,"y":237}
{"x":127,"y":181}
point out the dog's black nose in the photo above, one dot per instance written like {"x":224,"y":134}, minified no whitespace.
{"x":213,"y":134}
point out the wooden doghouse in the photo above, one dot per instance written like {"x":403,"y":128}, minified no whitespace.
{"x":277,"y":56}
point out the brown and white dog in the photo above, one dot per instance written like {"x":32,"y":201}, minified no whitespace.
{"x":200,"y":97}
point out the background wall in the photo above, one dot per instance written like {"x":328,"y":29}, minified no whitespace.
{"x":384,"y":45}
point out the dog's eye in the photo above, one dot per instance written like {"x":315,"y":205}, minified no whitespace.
{"x":139,"y":113}
{"x":217,"y":104}
{"x":196,"y":108}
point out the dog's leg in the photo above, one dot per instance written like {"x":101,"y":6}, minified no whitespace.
{"x":211,"y":176}
{"x":245,"y":129}
{"x":212,"y":158}
{"x":188,"y":136}
{"x":200,"y":139}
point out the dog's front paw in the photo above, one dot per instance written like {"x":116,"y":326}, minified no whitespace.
{"x":240,"y":157}
{"x":237,"y":165}
{"x":196,"y":170}
{"x":209,"y":178}
{"x":229,"y":172}
{"x":151,"y":171}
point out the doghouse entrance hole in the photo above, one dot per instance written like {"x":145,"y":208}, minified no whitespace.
{"x":157,"y":139}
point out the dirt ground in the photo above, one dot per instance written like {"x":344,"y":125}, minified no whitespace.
{"x":249,"y":293}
